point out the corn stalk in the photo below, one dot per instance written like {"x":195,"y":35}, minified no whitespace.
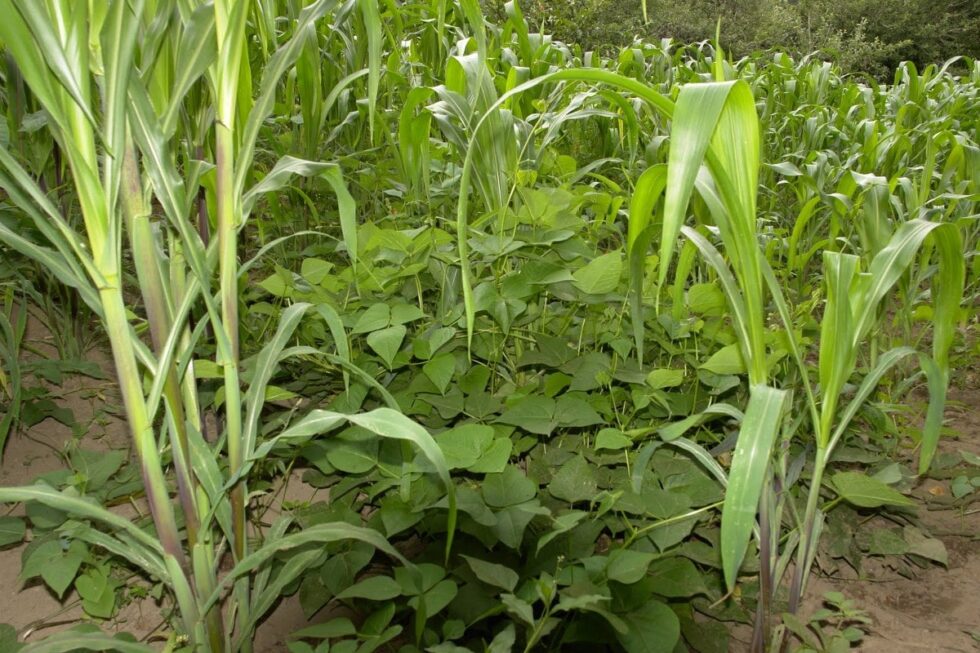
{"x":99,"y":70}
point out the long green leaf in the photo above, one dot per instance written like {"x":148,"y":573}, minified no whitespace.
{"x":649,"y":189}
{"x":696,"y":115}
{"x":392,"y":424}
{"x":81,"y":507}
{"x":74,"y":640}
{"x":196,"y":51}
{"x":275,"y":68}
{"x":318,"y":534}
{"x":750,"y":462}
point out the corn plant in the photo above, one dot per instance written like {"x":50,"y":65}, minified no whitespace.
{"x":715,"y":148}
{"x":101,"y":71}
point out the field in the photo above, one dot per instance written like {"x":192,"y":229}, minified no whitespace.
{"x":358,"y":326}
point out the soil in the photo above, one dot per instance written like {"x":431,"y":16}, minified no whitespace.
{"x":935,"y":610}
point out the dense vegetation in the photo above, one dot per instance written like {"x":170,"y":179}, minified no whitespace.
{"x":862,"y":36}
{"x":589,"y":352}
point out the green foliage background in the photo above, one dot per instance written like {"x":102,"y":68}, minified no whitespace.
{"x":871,"y":36}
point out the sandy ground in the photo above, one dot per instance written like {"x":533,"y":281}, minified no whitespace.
{"x":939,"y":608}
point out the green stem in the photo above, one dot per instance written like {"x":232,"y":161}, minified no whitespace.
{"x":159,"y":317}
{"x":806,"y":531}
{"x":228,"y":279}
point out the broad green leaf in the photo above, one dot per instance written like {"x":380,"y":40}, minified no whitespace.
{"x":98,"y":593}
{"x":387,"y":342}
{"x":434,"y":600}
{"x":12,"y":530}
{"x":677,"y":577}
{"x":519,"y":608}
{"x":405,"y":313}
{"x":315,"y":270}
{"x":95,"y":467}
{"x":727,"y":360}
{"x":601,"y":275}
{"x":572,"y":410}
{"x":398,"y":515}
{"x":56,"y":565}
{"x":440,"y":371}
{"x":375,"y":318}
{"x":665,"y":378}
{"x":354,"y":451}
{"x":503,"y":642}
{"x":534,"y":414}
{"x":866,"y":492}
{"x":612,"y":439}
{"x":464,"y":445}
{"x":509,"y":488}
{"x":494,"y":459}
{"x":706,"y":299}
{"x":574,"y":481}
{"x":512,"y":522}
{"x":562,"y":524}
{"x":653,"y":628}
{"x":628,"y":567}
{"x":493,"y":574}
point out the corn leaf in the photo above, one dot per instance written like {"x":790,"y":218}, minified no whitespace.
{"x":750,"y":462}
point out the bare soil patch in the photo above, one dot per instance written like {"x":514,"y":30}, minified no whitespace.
{"x":936,"y":609}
